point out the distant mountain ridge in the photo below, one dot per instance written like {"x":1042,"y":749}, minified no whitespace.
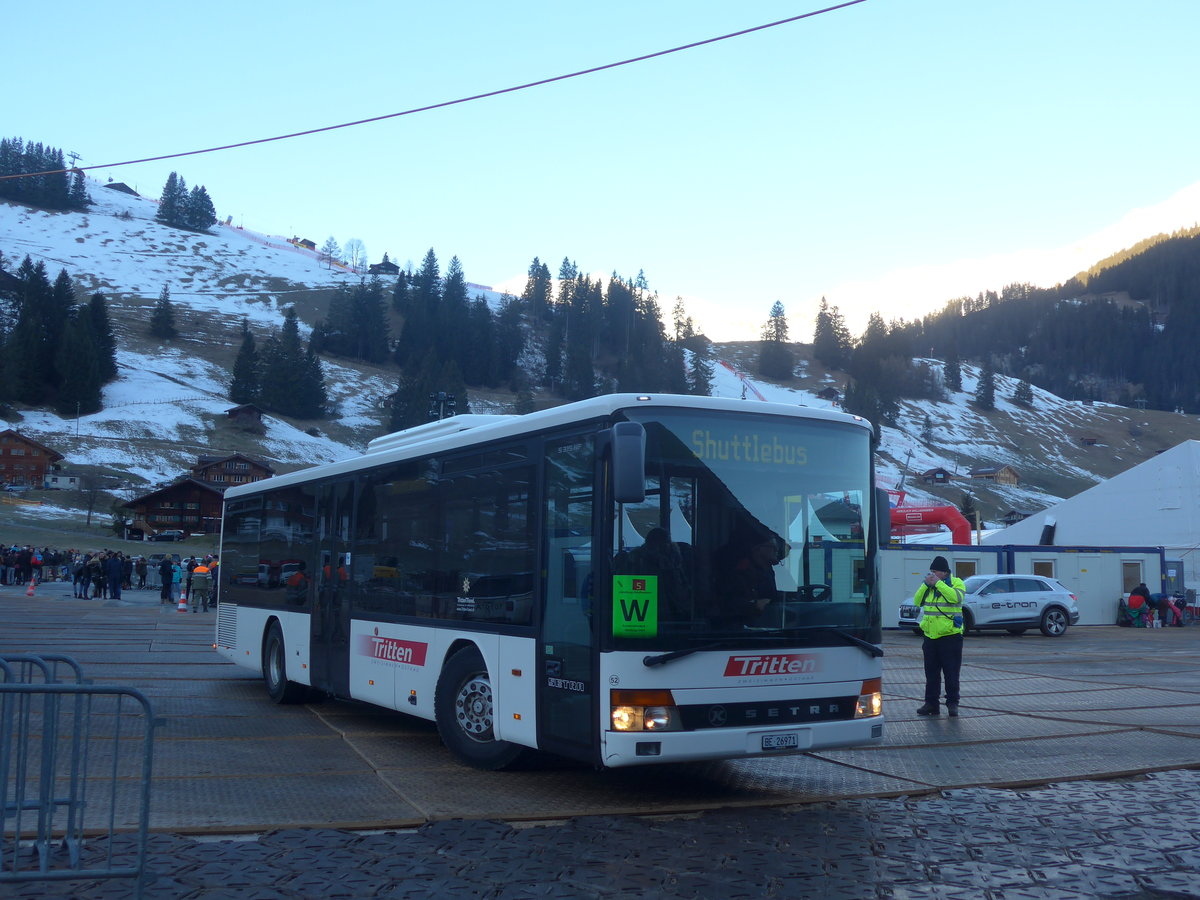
{"x":167,"y":405}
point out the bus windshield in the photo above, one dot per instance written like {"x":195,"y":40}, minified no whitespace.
{"x":753,"y":529}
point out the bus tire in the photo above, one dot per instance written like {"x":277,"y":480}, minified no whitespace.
{"x":274,"y":669}
{"x":465,"y":714}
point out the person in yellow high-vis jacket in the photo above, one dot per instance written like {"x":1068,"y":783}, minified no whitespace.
{"x":941,"y":599}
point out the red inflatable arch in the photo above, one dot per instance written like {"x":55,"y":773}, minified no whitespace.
{"x":960,"y":528}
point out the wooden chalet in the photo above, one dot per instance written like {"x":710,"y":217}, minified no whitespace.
{"x":387,"y":267}
{"x":936,"y":476}
{"x":1013,"y":516}
{"x":190,"y":505}
{"x":122,"y":187}
{"x":24,"y":461}
{"x":235,"y":468}
{"x":305,"y":243}
{"x":246,"y":415}
{"x":998,"y":474}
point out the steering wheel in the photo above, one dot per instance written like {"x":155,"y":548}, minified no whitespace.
{"x":814,"y":593}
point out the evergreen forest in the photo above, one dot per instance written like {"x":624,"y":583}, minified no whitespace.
{"x":37,"y":175}
{"x":1122,"y":332}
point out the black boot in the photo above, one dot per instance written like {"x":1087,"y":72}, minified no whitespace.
{"x":929,"y":709}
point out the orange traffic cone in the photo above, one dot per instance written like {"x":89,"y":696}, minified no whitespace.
{"x":29,"y":590}
{"x":182,"y":602}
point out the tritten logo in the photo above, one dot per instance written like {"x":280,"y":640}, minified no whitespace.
{"x":770,"y":664}
{"x":409,"y":652}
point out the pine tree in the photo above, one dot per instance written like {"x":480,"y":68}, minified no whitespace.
{"x":410,"y":402}
{"x":452,"y":317}
{"x":291,"y":381}
{"x":831,"y":339}
{"x":313,"y":399}
{"x":244,"y":387}
{"x":1023,"y":395}
{"x":481,"y":361}
{"x":537,"y":291}
{"x":421,"y":316}
{"x":585,"y":313}
{"x":356,"y":324}
{"x":58,"y":313}
{"x":523,"y":403}
{"x":78,"y":363}
{"x":927,"y":430}
{"x":198,"y":212}
{"x":985,"y":391}
{"x":162,"y":319}
{"x":29,"y":354}
{"x":173,"y":202}
{"x":861,"y":400}
{"x":952,"y":372}
{"x":106,"y":341}
{"x":400,"y":296}
{"x":78,"y":197}
{"x":775,"y":358}
{"x":510,"y":340}
{"x":968,"y":508}
{"x":700,"y":369}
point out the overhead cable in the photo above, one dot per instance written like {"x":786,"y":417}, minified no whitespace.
{"x":442,"y":105}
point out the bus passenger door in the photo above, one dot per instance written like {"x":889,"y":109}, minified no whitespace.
{"x":567,"y":691}
{"x":330,"y":636}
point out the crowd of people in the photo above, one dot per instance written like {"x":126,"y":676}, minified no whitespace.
{"x":104,"y":574}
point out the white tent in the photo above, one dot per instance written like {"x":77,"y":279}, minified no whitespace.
{"x":1154,"y":504}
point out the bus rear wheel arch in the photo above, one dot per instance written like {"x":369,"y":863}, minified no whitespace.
{"x":465,"y":713}
{"x":274,"y":668}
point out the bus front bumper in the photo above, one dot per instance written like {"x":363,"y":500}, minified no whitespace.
{"x":643,"y":748}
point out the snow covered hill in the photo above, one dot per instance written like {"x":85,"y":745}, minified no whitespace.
{"x":167,"y":405}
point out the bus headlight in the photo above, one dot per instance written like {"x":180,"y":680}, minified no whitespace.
{"x":657,"y":718}
{"x":644,"y":711}
{"x":870,"y":699}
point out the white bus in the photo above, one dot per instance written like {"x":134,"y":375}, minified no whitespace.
{"x":624,"y":580}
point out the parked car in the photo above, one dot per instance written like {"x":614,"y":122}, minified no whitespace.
{"x":1012,"y":603}
{"x":169,"y":535}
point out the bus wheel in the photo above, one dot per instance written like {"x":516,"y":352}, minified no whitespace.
{"x":464,"y":710}
{"x":274,"y":667}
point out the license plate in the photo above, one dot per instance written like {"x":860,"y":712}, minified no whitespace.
{"x":789,"y":741}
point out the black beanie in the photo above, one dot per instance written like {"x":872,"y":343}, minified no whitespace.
{"x":939,"y":564}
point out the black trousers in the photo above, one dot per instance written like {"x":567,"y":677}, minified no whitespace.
{"x":943,"y":658}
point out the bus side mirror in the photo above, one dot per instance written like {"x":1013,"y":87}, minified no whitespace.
{"x":629,"y":462}
{"x":883,"y":517}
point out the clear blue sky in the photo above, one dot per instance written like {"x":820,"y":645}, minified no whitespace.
{"x":861,"y":154}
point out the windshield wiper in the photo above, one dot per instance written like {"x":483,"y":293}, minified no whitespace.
{"x":650,"y":661}
{"x":840,"y":631}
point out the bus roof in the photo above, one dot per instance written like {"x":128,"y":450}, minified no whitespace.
{"x":466,"y":430}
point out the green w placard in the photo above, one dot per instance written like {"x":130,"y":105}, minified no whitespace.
{"x":635,"y":606}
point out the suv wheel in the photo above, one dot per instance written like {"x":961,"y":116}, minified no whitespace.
{"x":1054,"y":622}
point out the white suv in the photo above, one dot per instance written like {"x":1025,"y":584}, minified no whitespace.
{"x":1013,"y":603}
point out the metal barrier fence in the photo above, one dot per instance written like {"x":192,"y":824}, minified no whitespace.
{"x":75,"y":761}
